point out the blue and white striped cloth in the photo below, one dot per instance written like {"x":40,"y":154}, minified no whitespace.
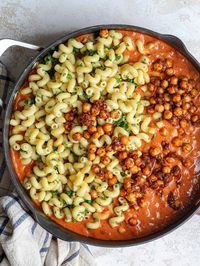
{"x":23,"y":242}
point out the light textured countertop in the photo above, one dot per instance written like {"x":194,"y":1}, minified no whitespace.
{"x":41,"y":22}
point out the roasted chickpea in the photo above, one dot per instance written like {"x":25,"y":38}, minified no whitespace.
{"x":100,"y":130}
{"x":187,"y":99}
{"x":131,"y":197}
{"x":176,"y":98}
{"x":132,"y":221}
{"x":123,"y":155}
{"x":163,"y":131}
{"x":121,"y":230}
{"x":158,"y":66}
{"x":105,"y":160}
{"x":195,"y":118}
{"x":152,"y":178}
{"x":176,"y":142}
{"x":178,"y":111}
{"x":169,"y":63}
{"x":96,"y":168}
{"x":167,"y":106}
{"x":167,"y":114}
{"x":112,"y":181}
{"x":86,"y":134}
{"x":86,"y":107}
{"x":108,"y":174}
{"x":124,"y":140}
{"x":170,"y":71}
{"x":152,"y":100}
{"x":186,"y":106}
{"x":104,"y":33}
{"x":115,"y":114}
{"x":160,"y":90}
{"x":183,"y":123}
{"x":146,"y":171}
{"x":138,"y":161}
{"x":154,"y":151}
{"x":184,"y":84}
{"x":104,"y":114}
{"x":187,"y":163}
{"x":101,"y":152}
{"x":108,"y":127}
{"x":134,"y":170}
{"x":159,"y":108}
{"x":151,"y":87}
{"x":129,"y":162}
{"x":76,"y":136}
{"x":95,"y":111}
{"x":92,"y":148}
{"x":167,"y":97}
{"x":172,"y":89}
{"x":164,"y":84}
{"x":166,"y":169}
{"x":91,"y":156}
{"x":93,"y":193}
{"x":174,"y":80}
{"x":192,"y":109}
{"x":187,"y":147}
{"x":194,"y":92}
{"x":96,"y":135}
{"x":109,"y":148}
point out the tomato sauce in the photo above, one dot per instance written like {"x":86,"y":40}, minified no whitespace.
{"x":157,"y":214}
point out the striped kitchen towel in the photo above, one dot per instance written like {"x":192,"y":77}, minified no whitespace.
{"x":23,"y":242}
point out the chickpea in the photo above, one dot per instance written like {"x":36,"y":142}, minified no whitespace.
{"x":160,"y":90}
{"x":178,"y":111}
{"x":86,"y":134}
{"x":187,"y":163}
{"x":183,"y":123}
{"x":107,"y":127}
{"x":76,"y":136}
{"x":127,"y":183}
{"x":138,"y":161}
{"x":159,"y":108}
{"x":143,"y":204}
{"x":92,"y":148}
{"x":103,"y":114}
{"x":167,"y":106}
{"x":86,"y":107}
{"x":101,"y":152}
{"x":172,"y":89}
{"x":108,"y":175}
{"x":184,"y":84}
{"x":146,"y":171}
{"x":91,"y":156}
{"x":166,"y":169}
{"x":95,"y":111}
{"x":160,"y":183}
{"x":194,"y":92}
{"x":115,"y":114}
{"x":167,"y":114}
{"x":129,"y":162}
{"x":122,"y":192}
{"x":151,"y":87}
{"x":69,"y":116}
{"x":176,"y":98}
{"x":169,"y":63}
{"x":164,"y":84}
{"x":124,"y":140}
{"x":169,"y":71}
{"x":92,"y":129}
{"x":109,"y":148}
{"x":158,"y":66}
{"x":187,"y":99}
{"x":150,"y":110}
{"x":100,"y":130}
{"x":163,"y":131}
{"x":154,"y":151}
{"x":93,"y":193}
{"x":176,"y":142}
{"x":123,"y":155}
{"x":121,"y":230}
{"x":131,"y":197}
{"x":105,"y":160}
{"x":174,"y":80}
{"x":181,"y":131}
{"x":167,"y":97}
{"x":104,"y":33}
{"x":112,"y":181}
{"x":96,"y":168}
{"x":96,"y":135}
{"x":134,"y":170}
{"x":195,"y":118}
{"x":186,"y":106}
{"x":153,"y":178}
{"x":187,"y":147}
{"x":152,"y":100}
{"x":192,"y":109}
{"x":132,"y":221}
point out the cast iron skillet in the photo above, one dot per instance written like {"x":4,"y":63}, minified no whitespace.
{"x":43,"y":220}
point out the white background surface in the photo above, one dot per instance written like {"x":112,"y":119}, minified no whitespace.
{"x":41,"y":22}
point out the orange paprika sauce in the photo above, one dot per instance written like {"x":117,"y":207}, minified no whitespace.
{"x":157,"y":214}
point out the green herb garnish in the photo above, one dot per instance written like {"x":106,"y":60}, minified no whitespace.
{"x":122,"y":123}
{"x":88,"y":201}
{"x":91,"y":52}
{"x":30,"y":101}
{"x":49,"y":58}
{"x":55,"y":148}
{"x":54,"y":193}
{"x":117,"y":57}
{"x":69,"y":193}
{"x":69,"y":76}
{"x":75,"y":49}
{"x":39,"y":159}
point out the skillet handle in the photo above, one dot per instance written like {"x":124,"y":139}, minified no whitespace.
{"x":6,"y":43}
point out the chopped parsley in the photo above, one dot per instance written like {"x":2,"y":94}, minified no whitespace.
{"x":69,"y":76}
{"x":91,"y":52}
{"x":39,"y":159}
{"x":54,"y":193}
{"x":55,"y":148}
{"x":55,"y":167}
{"x":69,"y":193}
{"x":75,"y":49}
{"x":51,"y":72}
{"x":30,"y":101}
{"x":122,"y":123}
{"x":117,"y":57}
{"x":124,"y":174}
{"x":88,"y":201}
{"x":132,"y":81}
{"x":49,"y":58}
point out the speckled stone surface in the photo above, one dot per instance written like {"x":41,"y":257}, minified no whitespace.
{"x":40,"y":22}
